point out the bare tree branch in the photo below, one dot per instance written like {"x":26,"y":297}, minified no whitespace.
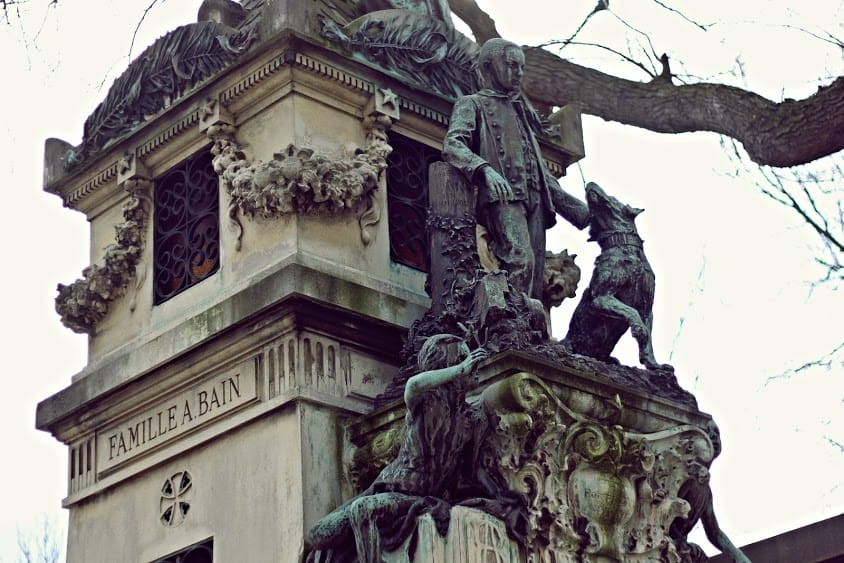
{"x":827,"y":361}
{"x":137,"y":27}
{"x":621,"y":55}
{"x":808,"y":210}
{"x":43,"y":546}
{"x":780,"y":134}
{"x":830,"y":38}
{"x":482,"y":26}
{"x":702,"y":26}
{"x":834,"y":443}
{"x":638,"y":32}
{"x":602,"y":5}
{"x":815,"y":197}
{"x":698,"y":290}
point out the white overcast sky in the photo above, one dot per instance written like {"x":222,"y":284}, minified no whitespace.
{"x":735,"y":309}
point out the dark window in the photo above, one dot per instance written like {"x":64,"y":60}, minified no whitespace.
{"x":186,"y":240}
{"x":199,"y":553}
{"x":407,"y":200}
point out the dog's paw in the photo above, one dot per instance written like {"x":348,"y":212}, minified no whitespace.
{"x":640,"y":332}
{"x":652,"y":364}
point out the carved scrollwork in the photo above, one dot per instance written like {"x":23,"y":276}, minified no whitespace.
{"x":371,"y":457}
{"x":228,"y":159}
{"x":595,"y":490}
{"x":299,"y":180}
{"x":529,"y":430}
{"x":84,"y":303}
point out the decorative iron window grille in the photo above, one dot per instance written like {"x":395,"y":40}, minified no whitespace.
{"x":198,"y":553}
{"x":186,"y":239}
{"x":407,"y":200}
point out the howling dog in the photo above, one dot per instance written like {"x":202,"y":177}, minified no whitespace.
{"x":621,"y":292}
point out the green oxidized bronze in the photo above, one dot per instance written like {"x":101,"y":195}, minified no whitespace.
{"x":492,"y":141}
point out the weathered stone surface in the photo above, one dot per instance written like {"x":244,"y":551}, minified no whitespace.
{"x":290,"y":85}
{"x":419,"y":46}
{"x":298,"y":180}
{"x":85,"y":302}
{"x":607,"y":474}
{"x":304,"y":287}
{"x":473,"y":537}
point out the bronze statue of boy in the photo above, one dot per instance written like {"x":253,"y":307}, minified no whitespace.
{"x":492,"y":141}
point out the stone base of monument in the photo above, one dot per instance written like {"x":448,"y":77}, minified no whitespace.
{"x":473,"y":537}
{"x":606,"y":473}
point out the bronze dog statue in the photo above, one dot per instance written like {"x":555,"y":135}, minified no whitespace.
{"x":621,"y":292}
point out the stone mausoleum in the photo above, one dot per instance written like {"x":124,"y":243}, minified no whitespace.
{"x":257,"y":188}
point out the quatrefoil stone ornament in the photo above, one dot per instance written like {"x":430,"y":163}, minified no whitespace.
{"x":176,"y":495}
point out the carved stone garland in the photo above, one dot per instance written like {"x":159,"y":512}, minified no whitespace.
{"x":84,"y":303}
{"x":298,"y":180}
{"x":295,"y":181}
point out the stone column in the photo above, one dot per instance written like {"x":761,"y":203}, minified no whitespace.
{"x":451,"y":227}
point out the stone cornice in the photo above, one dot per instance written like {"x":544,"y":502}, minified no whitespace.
{"x":235,"y":90}
{"x":299,"y":349}
{"x":231,"y":88}
{"x":180,"y":127}
{"x":300,"y":278}
{"x":88,"y":187}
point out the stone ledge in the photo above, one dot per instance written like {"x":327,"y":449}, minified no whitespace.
{"x":588,"y":393}
{"x":202,"y":437}
{"x":606,"y":473}
{"x":326,"y":300}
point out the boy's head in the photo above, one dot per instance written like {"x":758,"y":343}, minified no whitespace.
{"x":502,"y":65}
{"x":441,"y":351}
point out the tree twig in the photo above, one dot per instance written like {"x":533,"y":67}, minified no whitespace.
{"x":627,"y":58}
{"x":138,"y":27}
{"x":702,"y":26}
{"x":826,"y":361}
{"x":599,"y":7}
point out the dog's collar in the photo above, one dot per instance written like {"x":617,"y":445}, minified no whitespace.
{"x":620,"y":239}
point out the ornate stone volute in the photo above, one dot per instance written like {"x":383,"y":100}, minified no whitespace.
{"x":603,"y":478}
{"x":596,"y":491}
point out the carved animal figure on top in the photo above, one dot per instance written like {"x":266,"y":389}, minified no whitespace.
{"x":621,"y":292}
